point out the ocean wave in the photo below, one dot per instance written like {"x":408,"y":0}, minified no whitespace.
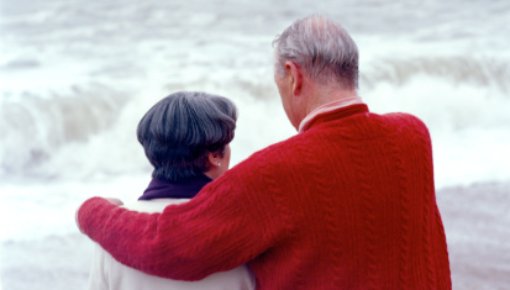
{"x":485,"y":72}
{"x":88,"y":130}
{"x":34,"y":126}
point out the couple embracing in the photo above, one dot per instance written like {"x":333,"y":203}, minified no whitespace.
{"x":347,"y":203}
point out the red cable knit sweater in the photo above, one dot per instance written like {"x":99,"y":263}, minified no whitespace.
{"x":347,"y":204}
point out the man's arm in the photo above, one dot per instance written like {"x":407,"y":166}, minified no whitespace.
{"x":231,"y":221}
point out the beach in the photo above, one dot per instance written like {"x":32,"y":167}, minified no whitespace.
{"x":477,"y":224}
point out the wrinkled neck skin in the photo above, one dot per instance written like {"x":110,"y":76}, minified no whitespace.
{"x":321,"y":95}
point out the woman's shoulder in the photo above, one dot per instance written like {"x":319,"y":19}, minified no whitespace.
{"x":119,"y":276}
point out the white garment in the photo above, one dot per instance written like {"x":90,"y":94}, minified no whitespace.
{"x":108,"y":274}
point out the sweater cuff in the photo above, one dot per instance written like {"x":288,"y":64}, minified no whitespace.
{"x":88,"y":214}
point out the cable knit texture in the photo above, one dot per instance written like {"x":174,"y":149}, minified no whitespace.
{"x":347,"y":204}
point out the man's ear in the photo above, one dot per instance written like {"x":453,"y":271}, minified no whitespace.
{"x":296,"y":77}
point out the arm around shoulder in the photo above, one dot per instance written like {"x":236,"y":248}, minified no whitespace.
{"x":231,"y":221}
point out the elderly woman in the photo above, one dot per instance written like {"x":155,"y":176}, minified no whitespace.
{"x":186,"y":138}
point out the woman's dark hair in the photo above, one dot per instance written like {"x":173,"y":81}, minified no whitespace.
{"x":179,"y":132}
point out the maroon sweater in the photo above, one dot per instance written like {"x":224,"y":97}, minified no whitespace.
{"x":347,"y":204}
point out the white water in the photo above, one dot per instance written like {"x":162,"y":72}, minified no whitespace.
{"x":76,"y":76}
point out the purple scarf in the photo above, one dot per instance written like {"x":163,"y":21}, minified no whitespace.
{"x":164,"y":189}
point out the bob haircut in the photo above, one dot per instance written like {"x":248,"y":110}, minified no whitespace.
{"x":179,"y":132}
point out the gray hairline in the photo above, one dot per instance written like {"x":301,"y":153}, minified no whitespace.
{"x":324,"y":54}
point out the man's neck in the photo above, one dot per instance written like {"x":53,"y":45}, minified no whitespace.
{"x":329,"y":95}
{"x":328,"y":107}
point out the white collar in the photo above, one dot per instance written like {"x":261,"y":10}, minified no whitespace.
{"x":328,"y":107}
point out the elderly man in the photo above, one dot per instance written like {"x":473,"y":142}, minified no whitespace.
{"x":347,"y":203}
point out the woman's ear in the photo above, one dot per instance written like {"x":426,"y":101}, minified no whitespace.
{"x":214,"y":170}
{"x":214,"y":159}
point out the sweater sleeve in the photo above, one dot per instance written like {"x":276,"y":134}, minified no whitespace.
{"x":231,"y":221}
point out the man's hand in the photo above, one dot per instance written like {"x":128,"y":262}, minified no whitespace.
{"x":112,"y":200}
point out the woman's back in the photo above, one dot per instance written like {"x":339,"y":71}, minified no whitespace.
{"x":107,"y":273}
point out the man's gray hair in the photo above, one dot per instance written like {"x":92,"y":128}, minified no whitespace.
{"x":322,"y":48}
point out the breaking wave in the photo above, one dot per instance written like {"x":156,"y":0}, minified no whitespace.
{"x":483,"y":72}
{"x":34,"y":126}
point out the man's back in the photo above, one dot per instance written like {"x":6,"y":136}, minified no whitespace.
{"x":362,"y":193}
